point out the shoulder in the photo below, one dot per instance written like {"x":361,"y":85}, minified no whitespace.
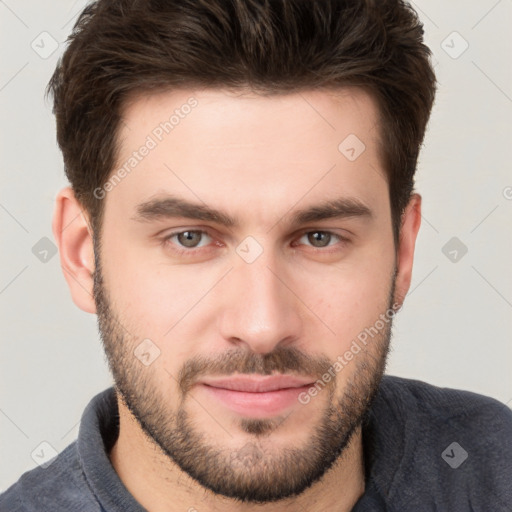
{"x":446,"y":405}
{"x":57,"y":487}
{"x":456,"y":445}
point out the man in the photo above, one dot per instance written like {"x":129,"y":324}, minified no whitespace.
{"x":241,"y":218}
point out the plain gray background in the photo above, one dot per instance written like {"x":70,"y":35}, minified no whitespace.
{"x":456,"y":325}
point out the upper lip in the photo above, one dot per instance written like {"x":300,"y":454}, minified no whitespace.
{"x":258,"y":384}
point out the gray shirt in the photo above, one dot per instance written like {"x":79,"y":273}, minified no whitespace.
{"x":426,"y":449}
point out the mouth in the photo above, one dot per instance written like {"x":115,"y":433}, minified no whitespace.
{"x":256,"y":396}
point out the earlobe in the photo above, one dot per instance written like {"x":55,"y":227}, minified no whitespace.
{"x":410,"y":225}
{"x":74,"y":238}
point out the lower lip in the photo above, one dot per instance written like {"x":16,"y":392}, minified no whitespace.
{"x":261,"y":405}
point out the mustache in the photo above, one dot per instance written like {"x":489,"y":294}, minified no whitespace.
{"x":285,"y":360}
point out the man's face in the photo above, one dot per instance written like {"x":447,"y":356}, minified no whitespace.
{"x":268,"y":293}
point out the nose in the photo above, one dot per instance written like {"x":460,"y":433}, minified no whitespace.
{"x":259,"y":307}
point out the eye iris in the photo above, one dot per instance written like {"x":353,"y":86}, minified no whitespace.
{"x":187,"y":238}
{"x":319,"y":236}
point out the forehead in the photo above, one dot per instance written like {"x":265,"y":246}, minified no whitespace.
{"x":231,"y":116}
{"x":258,"y":151}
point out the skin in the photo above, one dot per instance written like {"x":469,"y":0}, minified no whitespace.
{"x":258,"y":159}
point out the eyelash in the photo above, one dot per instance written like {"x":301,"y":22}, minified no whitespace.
{"x":166,"y":241}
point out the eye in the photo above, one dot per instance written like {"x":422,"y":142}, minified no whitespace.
{"x":320,"y":239}
{"x":188,"y":239}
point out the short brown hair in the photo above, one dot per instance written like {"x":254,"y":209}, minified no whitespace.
{"x":118,"y":48}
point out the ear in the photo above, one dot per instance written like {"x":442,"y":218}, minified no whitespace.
{"x":410,"y":225}
{"x":74,"y":237}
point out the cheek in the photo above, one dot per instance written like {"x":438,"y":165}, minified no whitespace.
{"x":156,"y":300}
{"x":151,"y":301}
{"x":351,"y":298}
{"x":140,"y":294}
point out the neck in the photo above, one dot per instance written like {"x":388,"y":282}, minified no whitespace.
{"x":159,"y":485}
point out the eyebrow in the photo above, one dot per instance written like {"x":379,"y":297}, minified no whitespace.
{"x":169,"y":207}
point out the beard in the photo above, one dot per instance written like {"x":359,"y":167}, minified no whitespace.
{"x":252,"y":472}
